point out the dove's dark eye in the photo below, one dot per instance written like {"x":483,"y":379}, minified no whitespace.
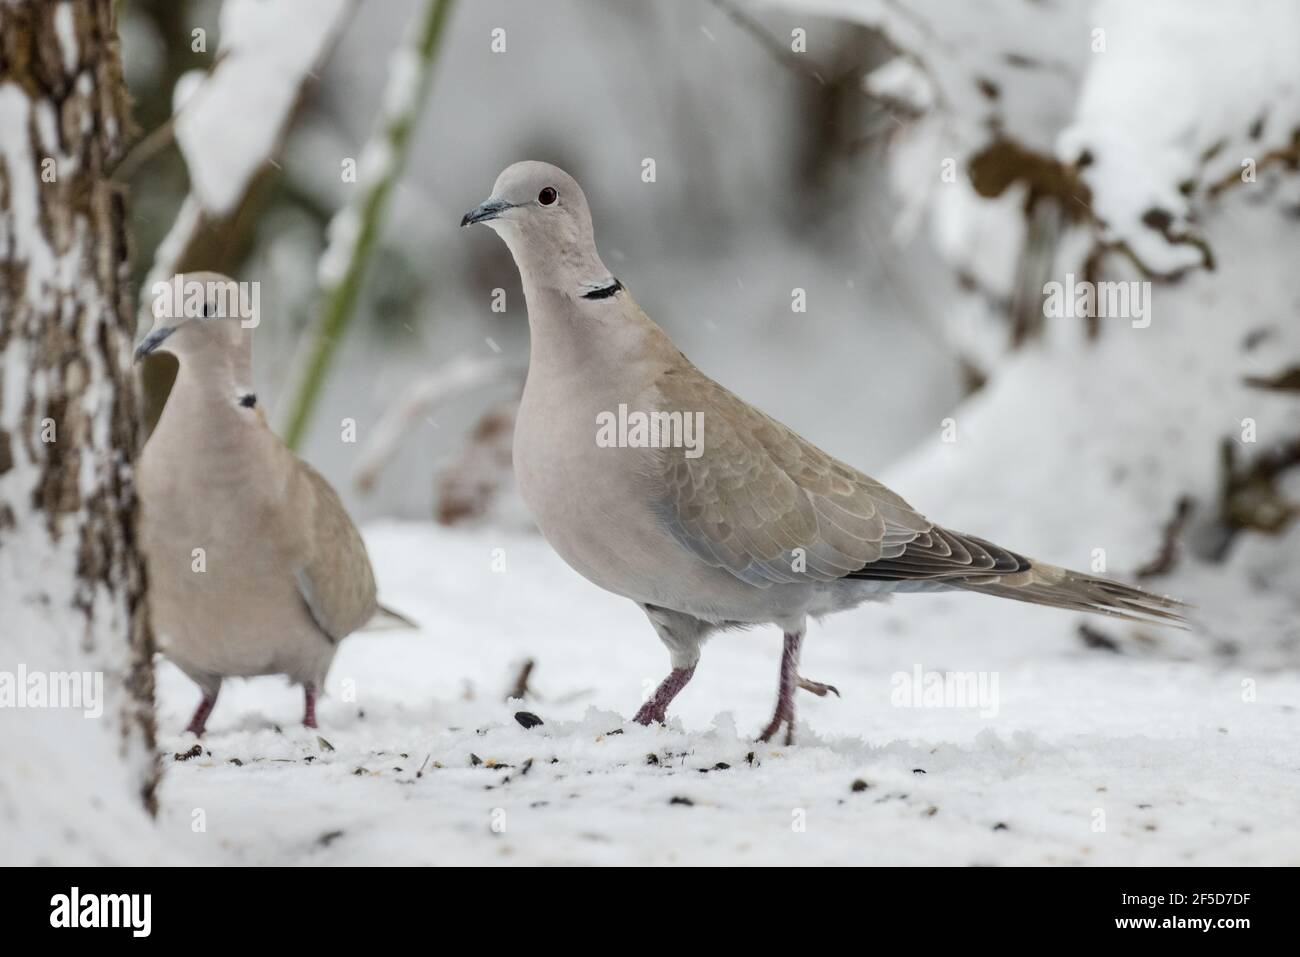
{"x":547,"y":196}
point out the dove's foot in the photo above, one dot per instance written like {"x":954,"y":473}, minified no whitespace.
{"x":817,"y":688}
{"x":309,"y":706}
{"x":780,"y":718}
{"x":200,"y":719}
{"x":656,"y":709}
{"x":789,"y":681}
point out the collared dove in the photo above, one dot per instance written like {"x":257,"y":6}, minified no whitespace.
{"x":254,"y":566}
{"x":736,"y":522}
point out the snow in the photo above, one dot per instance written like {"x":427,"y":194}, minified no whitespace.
{"x":1185,"y":742}
{"x":21,"y":231}
{"x":1032,"y":53}
{"x":405,"y":82}
{"x":1159,"y":94}
{"x":1180,"y":82}
{"x":380,"y":162}
{"x":902,"y":81}
{"x":65,"y":29}
{"x":231,"y":124}
{"x":1181,"y":744}
{"x":1158,"y":738}
{"x":418,"y":401}
{"x":343,"y":231}
{"x":187,"y":84}
{"x":49,"y":812}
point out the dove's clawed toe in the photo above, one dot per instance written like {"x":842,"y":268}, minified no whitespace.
{"x":817,"y":688}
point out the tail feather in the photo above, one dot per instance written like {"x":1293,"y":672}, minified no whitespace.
{"x":385,"y":619}
{"x":1061,"y":588}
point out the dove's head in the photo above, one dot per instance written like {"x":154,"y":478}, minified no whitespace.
{"x":201,"y":312}
{"x":541,"y":213}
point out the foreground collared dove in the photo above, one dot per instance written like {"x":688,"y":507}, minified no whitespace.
{"x":658,"y":484}
{"x":254,"y":566}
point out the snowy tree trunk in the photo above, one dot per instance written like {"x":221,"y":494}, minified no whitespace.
{"x":77,"y":763}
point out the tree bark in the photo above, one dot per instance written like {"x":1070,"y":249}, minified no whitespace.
{"x":74,"y":787}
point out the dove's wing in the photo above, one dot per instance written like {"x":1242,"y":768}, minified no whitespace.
{"x":770,"y":507}
{"x":334,"y":576}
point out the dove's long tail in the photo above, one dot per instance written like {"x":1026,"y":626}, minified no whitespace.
{"x":1043,"y":584}
{"x":386,"y":619}
{"x":951,"y":559}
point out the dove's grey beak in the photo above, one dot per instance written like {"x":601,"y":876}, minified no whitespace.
{"x":488,"y":209}
{"x":152,"y":342}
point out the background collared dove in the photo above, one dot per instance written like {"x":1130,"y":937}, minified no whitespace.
{"x":753,"y":526}
{"x":254,"y":566}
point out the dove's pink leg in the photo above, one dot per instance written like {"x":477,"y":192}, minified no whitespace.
{"x":785,"y":690}
{"x":200,"y":719}
{"x":656,"y":708}
{"x":309,"y":710}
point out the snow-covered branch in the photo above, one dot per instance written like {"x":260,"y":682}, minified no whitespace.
{"x":354,"y":231}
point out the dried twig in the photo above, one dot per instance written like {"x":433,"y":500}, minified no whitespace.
{"x":420,"y":398}
{"x":1288,"y":380}
{"x":1250,"y":497}
{"x":774,"y":47}
{"x":1287,"y":156}
{"x":1167,"y":557}
{"x":520,"y":689}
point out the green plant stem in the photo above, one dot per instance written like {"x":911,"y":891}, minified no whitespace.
{"x":340,"y":297}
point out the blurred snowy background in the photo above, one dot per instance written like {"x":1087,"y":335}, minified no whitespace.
{"x":921,"y":171}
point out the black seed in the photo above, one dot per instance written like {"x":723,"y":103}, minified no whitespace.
{"x":682,"y":800}
{"x":1158,"y":219}
{"x":528,"y":719}
{"x":859,"y":785}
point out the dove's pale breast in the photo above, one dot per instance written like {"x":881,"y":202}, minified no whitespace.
{"x":599,"y":506}
{"x":223,"y":594}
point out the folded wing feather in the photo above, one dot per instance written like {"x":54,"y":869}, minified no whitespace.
{"x":772,"y":508}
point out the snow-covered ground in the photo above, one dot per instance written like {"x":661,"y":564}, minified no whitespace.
{"x":1152,"y":755}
